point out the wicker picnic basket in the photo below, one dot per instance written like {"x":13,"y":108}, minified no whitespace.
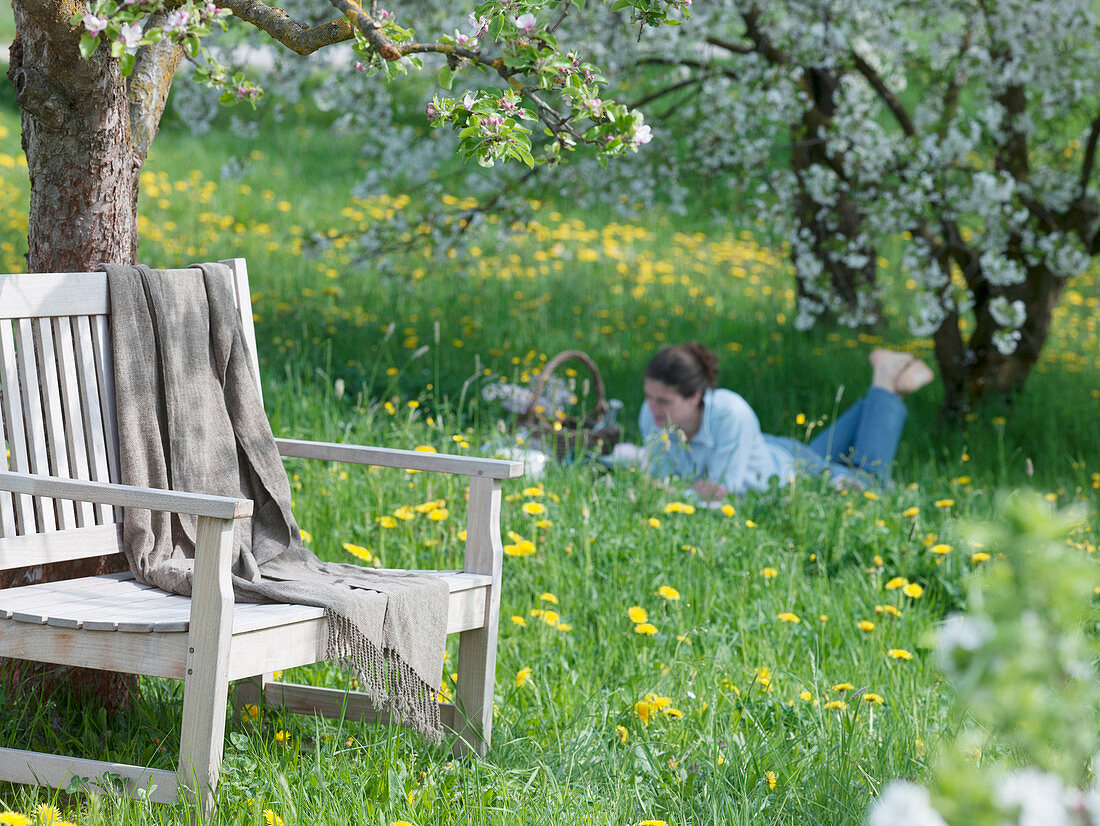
{"x":569,"y":436}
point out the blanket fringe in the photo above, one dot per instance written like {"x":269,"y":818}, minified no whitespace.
{"x":387,"y":680}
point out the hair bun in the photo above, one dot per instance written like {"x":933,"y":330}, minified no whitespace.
{"x":708,"y":361}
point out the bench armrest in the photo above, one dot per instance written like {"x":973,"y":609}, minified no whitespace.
{"x":406,"y":459}
{"x":126,"y":496}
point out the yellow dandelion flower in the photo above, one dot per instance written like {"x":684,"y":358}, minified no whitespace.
{"x":728,"y":510}
{"x":891,"y":610}
{"x":769,"y":776}
{"x":646,"y":629}
{"x":823,"y":617}
{"x":524,"y":547}
{"x":913,"y":590}
{"x":909,"y":513}
{"x":550,"y":617}
{"x":668,"y":592}
{"x":980,"y":556}
{"x":836,"y":705}
{"x":941,"y":549}
{"x":564,"y":626}
{"x":673,"y":713}
{"x":800,"y":419}
{"x":654,"y":522}
{"x":787,"y":616}
{"x":871,"y":697}
{"x":944,"y":503}
{"x":843,"y":687}
{"x":520,"y":621}
{"x":643,"y":709}
{"x":548,"y":597}
{"x":899,"y":654}
{"x":621,"y":733}
{"x":401,"y":823}
{"x":865,"y":625}
{"x":543,"y":524}
{"x":439,"y":514}
{"x":749,"y":523}
{"x":387,"y":522}
{"x":358,"y":551}
{"x":763,"y":676}
{"x":870,"y":495}
{"x":306,"y":535}
{"x":405,"y":513}
{"x":533,"y":508}
{"x":272,"y":819}
{"x":896,"y":582}
{"x":523,"y":677}
{"x":14,"y":819}
{"x":252,"y":711}
{"x":653,"y":823}
{"x":769,"y":573}
{"x":805,"y":696}
{"x":47,"y":813}
{"x":637,"y":613}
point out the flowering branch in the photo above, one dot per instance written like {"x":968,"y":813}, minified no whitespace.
{"x":298,"y":37}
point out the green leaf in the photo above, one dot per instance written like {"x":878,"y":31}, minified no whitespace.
{"x":446,"y":77}
{"x":126,"y":63}
{"x":88,"y":45}
{"x":619,"y":4}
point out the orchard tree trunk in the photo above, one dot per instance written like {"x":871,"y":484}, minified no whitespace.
{"x":974,"y":369}
{"x":832,"y":229}
{"x":83,"y":159}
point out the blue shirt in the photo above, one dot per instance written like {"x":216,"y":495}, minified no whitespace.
{"x":729,"y":448}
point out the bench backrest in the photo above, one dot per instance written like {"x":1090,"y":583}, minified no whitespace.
{"x":57,"y":406}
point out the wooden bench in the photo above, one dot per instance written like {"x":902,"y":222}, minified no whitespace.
{"x":60,"y":500}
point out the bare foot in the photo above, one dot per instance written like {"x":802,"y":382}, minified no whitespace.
{"x":887,"y":367}
{"x":915,"y":376}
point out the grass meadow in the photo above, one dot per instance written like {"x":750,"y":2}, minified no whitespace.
{"x":763,"y":663}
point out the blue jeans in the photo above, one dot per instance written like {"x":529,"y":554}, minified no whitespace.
{"x":863,"y":439}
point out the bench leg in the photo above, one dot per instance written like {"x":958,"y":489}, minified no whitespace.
{"x":477,"y":656}
{"x":206,"y":682}
{"x":248,"y":694}
{"x":477,"y":648}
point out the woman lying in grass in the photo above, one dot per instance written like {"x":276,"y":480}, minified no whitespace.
{"x":710,"y":435}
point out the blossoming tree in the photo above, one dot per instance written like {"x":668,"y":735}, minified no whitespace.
{"x":92,"y":78}
{"x":963,"y":131}
{"x":92,"y":81}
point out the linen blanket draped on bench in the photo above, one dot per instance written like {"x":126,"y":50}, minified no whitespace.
{"x":190,"y":418}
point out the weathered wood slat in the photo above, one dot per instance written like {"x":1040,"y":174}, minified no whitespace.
{"x":105,"y":374}
{"x":76,"y":443}
{"x":57,"y":771}
{"x":56,"y":444}
{"x":11,"y":401}
{"x":30,"y":295}
{"x":33,"y":419}
{"x":128,"y":496}
{"x":405,"y":459}
{"x":91,"y":412}
{"x":60,"y":546}
{"x":333,"y":703}
{"x":7,"y":505}
{"x":158,"y":655}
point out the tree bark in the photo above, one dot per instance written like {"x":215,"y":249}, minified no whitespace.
{"x":832,"y":235}
{"x":83,"y":170}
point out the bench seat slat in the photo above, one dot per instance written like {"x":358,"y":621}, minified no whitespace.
{"x":118,"y":602}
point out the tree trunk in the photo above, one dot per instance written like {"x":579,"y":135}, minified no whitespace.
{"x":977,"y":369}
{"x":831,"y":229}
{"x":83,"y":212}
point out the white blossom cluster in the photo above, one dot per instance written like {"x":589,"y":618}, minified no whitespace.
{"x":831,"y":126}
{"x":1028,"y":797}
